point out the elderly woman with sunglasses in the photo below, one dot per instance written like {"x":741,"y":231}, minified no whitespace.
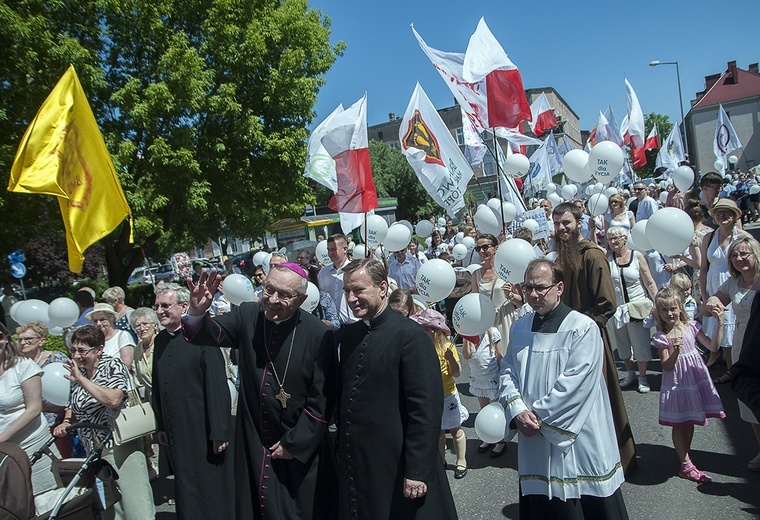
{"x":99,"y":386}
{"x":21,"y":419}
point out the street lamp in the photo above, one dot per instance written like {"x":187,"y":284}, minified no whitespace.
{"x":680,"y":98}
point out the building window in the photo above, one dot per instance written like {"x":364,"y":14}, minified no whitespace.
{"x":393,"y":144}
{"x":489,"y":167}
{"x":460,"y":136}
{"x":380,"y":136}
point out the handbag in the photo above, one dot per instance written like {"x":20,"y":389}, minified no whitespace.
{"x":134,"y":421}
{"x":638,"y":310}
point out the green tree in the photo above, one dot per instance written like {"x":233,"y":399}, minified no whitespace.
{"x":664,"y":126}
{"x":203,"y":104}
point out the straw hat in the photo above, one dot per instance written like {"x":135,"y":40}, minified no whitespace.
{"x":103,"y":307}
{"x":726,"y":204}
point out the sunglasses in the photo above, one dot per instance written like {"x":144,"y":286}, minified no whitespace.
{"x":483,"y":248}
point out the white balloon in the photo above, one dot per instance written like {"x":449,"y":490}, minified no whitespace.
{"x":531,"y":224}
{"x":663,"y":185}
{"x":732,"y":159}
{"x":511,"y":259}
{"x":312,"y":298}
{"x":554,"y":199}
{"x":458,"y":237}
{"x":321,"y":252}
{"x":509,"y":210}
{"x":424,"y":228}
{"x":569,"y":191}
{"x":670,"y":231}
{"x":606,"y":159}
{"x":609,"y":192}
{"x":265,"y":265}
{"x":639,"y":236}
{"x":718,"y":165}
{"x":14,"y":309}
{"x":486,"y":221}
{"x":494,"y":204}
{"x":551,"y":188}
{"x":516,"y":165}
{"x":63,"y":312}
{"x":360,"y":251}
{"x":754,"y":189}
{"x":406,"y":224}
{"x":469,"y":242}
{"x":397,"y":238}
{"x":683,"y":178}
{"x":32,"y":310}
{"x":55,"y":386}
{"x":441,"y":222}
{"x":238,"y":289}
{"x":491,"y":423}
{"x":552,"y":255}
{"x":375,"y":230}
{"x":597,"y":204}
{"x":435,"y":280}
{"x":473,"y":314}
{"x":441,"y":231}
{"x":442,"y":248}
{"x":259,"y":257}
{"x":473,"y":267}
{"x":597,"y":188}
{"x":459,"y":251}
{"x":428,"y":241}
{"x":664,"y":197}
{"x":55,"y":331}
{"x":574,"y":165}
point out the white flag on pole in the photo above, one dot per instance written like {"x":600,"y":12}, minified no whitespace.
{"x":635,"y":129}
{"x":726,"y":140}
{"x":433,"y":153}
{"x":671,"y":152}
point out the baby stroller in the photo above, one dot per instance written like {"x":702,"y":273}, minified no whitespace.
{"x":83,"y":490}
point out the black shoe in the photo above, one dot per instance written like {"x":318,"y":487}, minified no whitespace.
{"x":496,"y":453}
{"x":484,"y":447}
{"x":460,"y":472}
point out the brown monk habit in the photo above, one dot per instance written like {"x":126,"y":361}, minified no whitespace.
{"x":590,"y":292}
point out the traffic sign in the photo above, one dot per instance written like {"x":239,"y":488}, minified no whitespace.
{"x":18,"y":270}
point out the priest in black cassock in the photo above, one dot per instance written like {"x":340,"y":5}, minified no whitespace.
{"x":390,"y":407}
{"x":284,"y":462}
{"x":192,"y":404}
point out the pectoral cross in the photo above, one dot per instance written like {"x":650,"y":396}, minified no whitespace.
{"x":283,"y":397}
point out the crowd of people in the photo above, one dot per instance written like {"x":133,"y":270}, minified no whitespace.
{"x":265,"y":410}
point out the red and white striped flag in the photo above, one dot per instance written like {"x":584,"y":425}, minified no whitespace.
{"x":543,"y":115}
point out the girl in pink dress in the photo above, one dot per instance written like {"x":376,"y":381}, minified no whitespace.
{"x":687,"y":395}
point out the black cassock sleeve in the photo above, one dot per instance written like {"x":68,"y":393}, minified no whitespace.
{"x":218,"y":402}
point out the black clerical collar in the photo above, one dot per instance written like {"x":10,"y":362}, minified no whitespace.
{"x":378,"y":318}
{"x":550,"y":322}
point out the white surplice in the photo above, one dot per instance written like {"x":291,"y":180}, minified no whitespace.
{"x":559,"y":377}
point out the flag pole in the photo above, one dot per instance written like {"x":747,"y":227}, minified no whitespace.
{"x":366,"y":244}
{"x":498,"y":183}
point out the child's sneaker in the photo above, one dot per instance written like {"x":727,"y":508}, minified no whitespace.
{"x":643,"y":386}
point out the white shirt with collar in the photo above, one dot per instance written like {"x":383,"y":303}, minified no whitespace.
{"x":331,"y":281}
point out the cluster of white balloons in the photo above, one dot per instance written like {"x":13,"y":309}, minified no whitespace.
{"x":490,"y":217}
{"x":57,"y":315}
{"x":603,"y":163}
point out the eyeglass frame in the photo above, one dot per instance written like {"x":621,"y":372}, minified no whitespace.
{"x":164,"y":307}
{"x":266,"y":292}
{"x":480,"y":249}
{"x":541,"y":291}
{"x":82,"y":351}
{"x":740,"y":255}
{"x":23,"y":341}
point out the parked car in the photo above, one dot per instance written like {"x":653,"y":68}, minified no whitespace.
{"x":244,"y":261}
{"x":141,"y":275}
{"x":164,"y":273}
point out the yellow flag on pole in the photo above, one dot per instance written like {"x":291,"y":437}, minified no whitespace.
{"x":63,"y":154}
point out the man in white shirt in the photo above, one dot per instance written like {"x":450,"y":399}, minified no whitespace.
{"x":404,"y":270}
{"x":331,"y":276}
{"x":647,"y":205}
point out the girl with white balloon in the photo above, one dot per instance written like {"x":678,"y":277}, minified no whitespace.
{"x":483,"y":355}
{"x":21,"y":419}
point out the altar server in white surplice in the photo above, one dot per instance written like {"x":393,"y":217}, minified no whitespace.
{"x":553,"y":392}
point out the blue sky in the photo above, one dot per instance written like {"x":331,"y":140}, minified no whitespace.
{"x":582,"y":49}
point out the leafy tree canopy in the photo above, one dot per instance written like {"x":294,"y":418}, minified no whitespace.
{"x":203,"y":104}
